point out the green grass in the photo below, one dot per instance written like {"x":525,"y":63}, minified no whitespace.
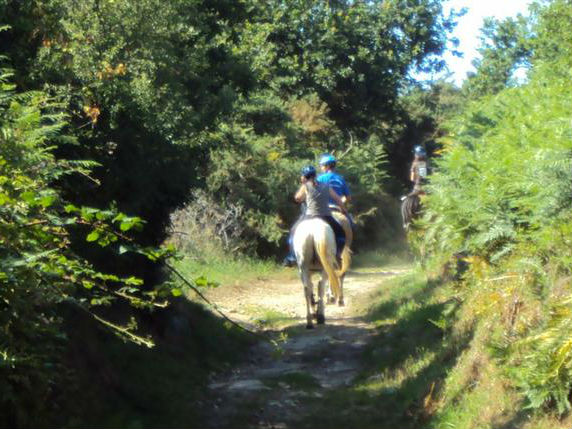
{"x":267,"y":318}
{"x":231,"y":270}
{"x":368,"y":260}
{"x":429,"y":368}
{"x":478,"y":393}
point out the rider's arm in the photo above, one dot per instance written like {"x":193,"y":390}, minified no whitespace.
{"x":412,"y":172}
{"x":301,"y":194}
{"x":338,"y":200}
{"x":346,"y":197}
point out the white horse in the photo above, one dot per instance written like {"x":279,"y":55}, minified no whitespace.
{"x":315,"y":248}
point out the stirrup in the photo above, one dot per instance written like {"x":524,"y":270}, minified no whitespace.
{"x":289,"y":262}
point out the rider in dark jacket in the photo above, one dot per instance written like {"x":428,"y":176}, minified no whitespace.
{"x":419,"y":170}
{"x":411,"y":203}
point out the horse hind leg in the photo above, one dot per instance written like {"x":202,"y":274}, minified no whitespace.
{"x":308,"y":289}
{"x":320,"y":313}
{"x":341,"y":301}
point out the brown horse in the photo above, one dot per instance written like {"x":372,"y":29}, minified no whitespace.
{"x":410,"y":208}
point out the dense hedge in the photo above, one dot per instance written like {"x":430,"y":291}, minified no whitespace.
{"x":500,"y":200}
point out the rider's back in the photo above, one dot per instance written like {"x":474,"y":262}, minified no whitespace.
{"x":317,"y":199}
{"x":336,"y":182}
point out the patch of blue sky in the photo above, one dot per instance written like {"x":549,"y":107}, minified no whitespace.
{"x":468,"y":33}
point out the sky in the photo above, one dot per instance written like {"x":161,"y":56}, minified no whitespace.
{"x":467,"y":30}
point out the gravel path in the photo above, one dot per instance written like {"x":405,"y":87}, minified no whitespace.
{"x":270,"y":389}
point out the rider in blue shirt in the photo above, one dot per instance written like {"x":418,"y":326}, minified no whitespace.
{"x":335,"y":180}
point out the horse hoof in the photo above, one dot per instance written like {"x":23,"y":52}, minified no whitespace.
{"x":309,"y":326}
{"x":341,"y":303}
{"x":321,"y":319}
{"x":331,"y":300}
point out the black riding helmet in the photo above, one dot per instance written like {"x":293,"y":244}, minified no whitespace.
{"x":419,"y":151}
{"x":309,"y":172}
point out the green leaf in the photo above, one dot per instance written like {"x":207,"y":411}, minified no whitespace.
{"x":29,"y":197}
{"x":88,"y":213}
{"x":4,"y":199}
{"x":47,"y":201}
{"x":87,"y":284}
{"x":92,"y":236}
{"x":176,"y":292}
{"x":201,"y":281}
{"x":133,"y":281}
{"x":126,"y":226}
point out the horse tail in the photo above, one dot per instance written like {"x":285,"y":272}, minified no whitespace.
{"x":346,"y":261}
{"x":324,"y":249}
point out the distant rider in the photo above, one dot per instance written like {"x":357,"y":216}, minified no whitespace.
{"x":419,"y":170}
{"x":411,"y":203}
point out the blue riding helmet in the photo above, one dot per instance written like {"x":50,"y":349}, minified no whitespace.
{"x":308,"y":171}
{"x":327,"y":159}
{"x":419,"y":151}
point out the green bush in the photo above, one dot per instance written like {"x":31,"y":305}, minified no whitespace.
{"x":499,"y":201}
{"x":39,"y":269}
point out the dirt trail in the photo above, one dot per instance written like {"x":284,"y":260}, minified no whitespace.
{"x":270,"y":389}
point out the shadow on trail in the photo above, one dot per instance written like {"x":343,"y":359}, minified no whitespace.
{"x":403,"y":366}
{"x":388,"y":309}
{"x":124,"y":385}
{"x":275,"y":388}
{"x":518,"y":421}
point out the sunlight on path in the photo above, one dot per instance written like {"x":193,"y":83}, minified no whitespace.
{"x":269,"y":390}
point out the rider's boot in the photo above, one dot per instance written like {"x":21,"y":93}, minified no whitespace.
{"x":289,"y":260}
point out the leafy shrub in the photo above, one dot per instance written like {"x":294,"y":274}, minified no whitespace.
{"x":500,"y":196}
{"x":39,"y":269}
{"x":203,"y":228}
